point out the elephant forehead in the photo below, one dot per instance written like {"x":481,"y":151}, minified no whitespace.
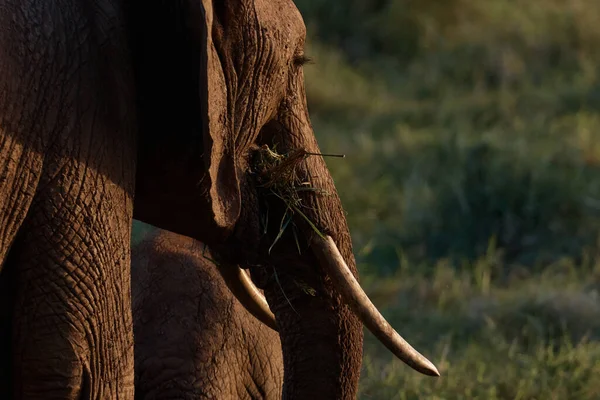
{"x":281,"y":21}
{"x":273,"y":28}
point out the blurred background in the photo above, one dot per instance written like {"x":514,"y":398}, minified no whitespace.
{"x":472,"y":185}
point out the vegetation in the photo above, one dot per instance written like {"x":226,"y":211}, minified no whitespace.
{"x":472,"y":186}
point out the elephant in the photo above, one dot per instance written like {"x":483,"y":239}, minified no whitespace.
{"x":193,"y":338}
{"x":190,"y":116}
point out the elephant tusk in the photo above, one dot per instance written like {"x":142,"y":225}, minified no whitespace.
{"x":247,"y":293}
{"x":354,"y":296}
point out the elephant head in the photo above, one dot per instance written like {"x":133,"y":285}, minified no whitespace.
{"x":227,"y":155}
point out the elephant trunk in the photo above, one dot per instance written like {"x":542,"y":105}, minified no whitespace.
{"x":321,"y":337}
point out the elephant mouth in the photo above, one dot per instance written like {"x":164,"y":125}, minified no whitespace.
{"x":275,"y":173}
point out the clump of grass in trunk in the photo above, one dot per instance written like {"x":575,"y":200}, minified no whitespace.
{"x":278,"y":174}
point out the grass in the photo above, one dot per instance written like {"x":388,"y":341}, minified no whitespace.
{"x":276,"y":175}
{"x":532,"y":338}
{"x":472,"y":185}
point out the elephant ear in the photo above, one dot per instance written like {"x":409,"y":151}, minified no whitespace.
{"x":219,"y":154}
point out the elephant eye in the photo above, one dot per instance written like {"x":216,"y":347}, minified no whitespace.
{"x":302,"y":59}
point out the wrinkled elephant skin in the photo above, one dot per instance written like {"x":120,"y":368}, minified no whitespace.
{"x":193,"y":339}
{"x":67,"y":174}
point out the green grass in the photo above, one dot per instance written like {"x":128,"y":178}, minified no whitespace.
{"x":532,"y":338}
{"x":472,"y":186}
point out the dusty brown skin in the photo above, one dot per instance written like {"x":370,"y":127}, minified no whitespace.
{"x":193,"y":339}
{"x":67,"y":172}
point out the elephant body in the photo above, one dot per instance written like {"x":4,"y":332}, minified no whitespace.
{"x":159,"y":110}
{"x":193,"y":339}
